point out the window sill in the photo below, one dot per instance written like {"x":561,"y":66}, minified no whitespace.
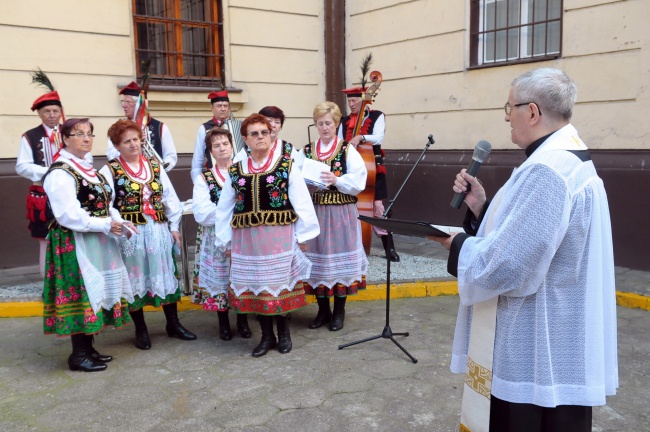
{"x":171,"y":98}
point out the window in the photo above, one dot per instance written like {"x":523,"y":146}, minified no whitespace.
{"x":514,"y":31}
{"x":182,"y":39}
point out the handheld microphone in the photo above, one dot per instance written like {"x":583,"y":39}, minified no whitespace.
{"x":481,"y":152}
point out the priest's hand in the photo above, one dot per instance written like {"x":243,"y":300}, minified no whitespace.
{"x":475,"y":198}
{"x":444,"y":241}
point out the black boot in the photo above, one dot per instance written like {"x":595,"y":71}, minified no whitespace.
{"x":324,"y":313}
{"x":268,"y":337}
{"x":284,"y":337}
{"x":389,"y":247}
{"x":339,"y":314}
{"x":174,"y":327}
{"x":224,"y":326}
{"x":142,"y":340}
{"x":80,"y":358}
{"x":242,"y":326}
{"x":97,"y":356}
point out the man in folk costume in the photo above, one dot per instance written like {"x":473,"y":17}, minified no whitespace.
{"x":39,"y":148}
{"x":372,"y":131}
{"x":222,"y":118}
{"x":136,"y":107}
{"x":536,"y":329}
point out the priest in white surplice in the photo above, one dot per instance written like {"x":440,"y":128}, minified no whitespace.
{"x":536,"y":266}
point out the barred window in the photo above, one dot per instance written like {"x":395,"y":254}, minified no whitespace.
{"x":183,"y":40}
{"x":514,"y":31}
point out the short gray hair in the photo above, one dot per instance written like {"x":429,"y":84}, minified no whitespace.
{"x":551,"y":89}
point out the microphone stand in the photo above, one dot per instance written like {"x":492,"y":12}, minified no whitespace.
{"x":387,"y":333}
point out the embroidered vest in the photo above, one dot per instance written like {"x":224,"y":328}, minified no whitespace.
{"x":128,"y":193}
{"x":94,"y":197}
{"x":213,"y":186}
{"x":263,"y":199}
{"x":366,"y":128}
{"x":155,"y":127}
{"x":35,"y":138}
{"x":337,"y":164}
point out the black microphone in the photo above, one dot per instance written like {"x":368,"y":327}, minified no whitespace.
{"x":481,"y":152}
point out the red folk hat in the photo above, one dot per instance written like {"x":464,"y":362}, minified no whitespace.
{"x":132,"y":89}
{"x":354,"y":91}
{"x":49,"y":98}
{"x":218,"y":96}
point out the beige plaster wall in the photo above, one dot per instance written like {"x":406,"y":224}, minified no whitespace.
{"x":274,"y":54}
{"x":421,"y":48}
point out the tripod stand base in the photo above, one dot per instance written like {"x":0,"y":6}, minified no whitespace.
{"x":387,"y":333}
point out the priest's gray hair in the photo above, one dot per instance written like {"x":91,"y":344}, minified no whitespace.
{"x":551,"y":89}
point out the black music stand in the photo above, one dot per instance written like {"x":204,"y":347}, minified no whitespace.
{"x":387,"y":332}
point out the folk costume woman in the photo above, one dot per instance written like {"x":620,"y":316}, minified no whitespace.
{"x":145,"y":196}
{"x":264,"y":217}
{"x":337,"y":254}
{"x":85,"y":279}
{"x":210,"y":266}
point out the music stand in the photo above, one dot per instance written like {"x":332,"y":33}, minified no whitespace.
{"x":387,"y":332}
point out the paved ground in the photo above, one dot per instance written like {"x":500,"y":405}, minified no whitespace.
{"x":212,"y":385}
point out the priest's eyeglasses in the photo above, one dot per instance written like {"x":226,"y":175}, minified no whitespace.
{"x":508,"y":108}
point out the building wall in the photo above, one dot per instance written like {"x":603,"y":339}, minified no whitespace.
{"x":274,"y":55}
{"x":422,"y":49}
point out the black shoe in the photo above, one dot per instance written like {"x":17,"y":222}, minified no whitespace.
{"x":174,"y":327}
{"x":97,"y":356}
{"x":224,"y":326}
{"x":242,"y":326}
{"x":284,"y":336}
{"x":179,"y":332}
{"x":85,"y":363}
{"x":389,"y":247}
{"x":142,"y":340}
{"x":268,"y":341}
{"x":80,"y":359}
{"x":324,"y":313}
{"x":338,"y":316}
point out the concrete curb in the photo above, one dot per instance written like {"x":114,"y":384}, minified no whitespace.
{"x":23,"y":309}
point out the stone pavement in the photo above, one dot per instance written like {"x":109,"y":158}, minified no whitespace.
{"x":213,"y":385}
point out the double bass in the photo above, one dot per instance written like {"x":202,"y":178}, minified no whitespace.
{"x":366,"y":199}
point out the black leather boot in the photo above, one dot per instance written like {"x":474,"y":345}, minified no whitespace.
{"x":224,"y":326}
{"x":174,"y":327}
{"x":97,"y":356}
{"x":142,"y":340}
{"x":268,"y":341}
{"x":389,"y":247}
{"x":339,"y":314}
{"x":284,"y":337}
{"x":80,"y":359}
{"x":324,"y":313}
{"x":242,"y":326}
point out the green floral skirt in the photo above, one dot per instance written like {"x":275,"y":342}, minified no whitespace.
{"x":66,"y":308}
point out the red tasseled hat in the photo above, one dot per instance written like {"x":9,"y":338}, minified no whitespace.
{"x":218,"y":96}
{"x":132,"y":89}
{"x":354,"y":91}
{"x":50,"y":98}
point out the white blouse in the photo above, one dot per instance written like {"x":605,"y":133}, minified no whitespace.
{"x":61,"y":189}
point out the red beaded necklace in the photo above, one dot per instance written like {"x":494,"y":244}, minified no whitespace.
{"x":325,"y":156}
{"x":267,"y":164}
{"x":128,"y":169}
{"x":90,"y":172}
